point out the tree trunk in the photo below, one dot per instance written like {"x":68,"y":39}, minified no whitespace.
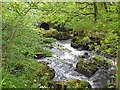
{"x":95,"y":12}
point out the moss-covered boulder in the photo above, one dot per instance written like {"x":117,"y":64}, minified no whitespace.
{"x":89,"y":67}
{"x":69,"y":84}
{"x":51,"y":72}
{"x":56,"y":34}
{"x":62,"y":36}
{"x":85,"y":55}
{"x":80,"y":42}
{"x":86,"y":68}
{"x":83,"y":41}
{"x":79,"y":32}
{"x":77,"y":84}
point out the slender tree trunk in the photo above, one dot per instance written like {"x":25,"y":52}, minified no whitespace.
{"x":12,"y":36}
{"x":95,"y":12}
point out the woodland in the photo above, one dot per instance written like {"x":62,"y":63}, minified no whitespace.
{"x":60,"y":45}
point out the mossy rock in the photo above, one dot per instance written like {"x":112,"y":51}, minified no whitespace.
{"x":62,"y":36}
{"x":77,"y":84}
{"x":69,"y":84}
{"x":86,"y":68}
{"x":50,"y":72}
{"x":85,"y":55}
{"x":89,"y":67}
{"x":56,"y":34}
{"x":38,"y":55}
{"x":79,"y":32}
{"x":80,"y":42}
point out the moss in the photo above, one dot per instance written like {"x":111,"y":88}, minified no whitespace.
{"x":69,"y":84}
{"x":26,"y":73}
{"x":86,"y":68}
{"x":79,"y":32}
{"x":80,"y":42}
{"x":77,"y":84}
{"x":89,"y":67}
{"x":55,"y":34}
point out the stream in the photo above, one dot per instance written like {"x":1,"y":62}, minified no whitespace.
{"x":64,"y":62}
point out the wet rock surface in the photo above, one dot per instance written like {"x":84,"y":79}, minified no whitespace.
{"x":65,"y":59}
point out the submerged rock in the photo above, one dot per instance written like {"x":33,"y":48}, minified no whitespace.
{"x":89,"y":67}
{"x":69,"y":84}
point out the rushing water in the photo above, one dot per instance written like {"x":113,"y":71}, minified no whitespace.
{"x":64,"y":62}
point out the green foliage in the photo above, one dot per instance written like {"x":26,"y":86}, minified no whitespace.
{"x":20,"y":44}
{"x":22,"y":40}
{"x":24,"y":74}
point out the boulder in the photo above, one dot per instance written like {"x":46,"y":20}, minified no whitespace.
{"x":80,"y":42}
{"x":38,"y":55}
{"x":85,"y":55}
{"x":56,"y":34}
{"x":86,"y":68}
{"x":79,"y":84}
{"x":83,"y":42}
{"x":62,"y":36}
{"x":50,"y":72}
{"x":89,"y":67}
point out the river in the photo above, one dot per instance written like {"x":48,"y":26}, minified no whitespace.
{"x":64,"y":62}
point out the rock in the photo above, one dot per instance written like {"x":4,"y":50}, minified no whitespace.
{"x":62,"y":36}
{"x":77,"y":84}
{"x":80,"y":42}
{"x":51,"y":72}
{"x":69,"y":84}
{"x":56,"y":34}
{"x":75,"y":45}
{"x":95,"y":40}
{"x":79,"y":32}
{"x":38,"y":55}
{"x":89,"y":67}
{"x":44,"y":63}
{"x":85,"y":55}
